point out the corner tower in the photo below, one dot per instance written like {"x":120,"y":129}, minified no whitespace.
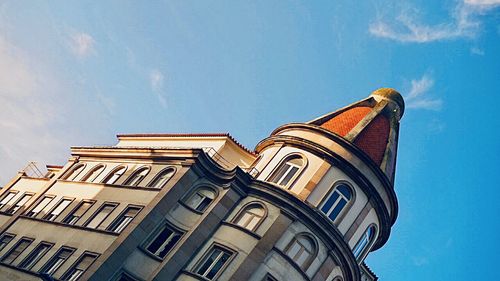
{"x":343,"y":165}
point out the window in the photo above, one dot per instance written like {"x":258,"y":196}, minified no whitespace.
{"x":77,"y":213}
{"x":20,"y":203}
{"x":137,"y":176}
{"x":57,"y":260}
{"x":364,"y":242}
{"x":40,"y":206}
{"x":93,"y":173}
{"x":58,"y":209}
{"x":287,"y":171}
{"x":80,"y":266}
{"x":5,"y":240}
{"x":7,"y":198}
{"x":213,"y":263}
{"x":114,"y":175}
{"x":74,"y":172}
{"x":251,"y":216}
{"x":161,"y":179}
{"x":125,"y":277}
{"x":16,"y":250}
{"x":338,"y":199}
{"x":164,"y":242}
{"x":35,"y":255}
{"x":269,"y":277}
{"x":100,"y":215}
{"x":124,"y":219}
{"x":302,"y":250}
{"x":200,"y":199}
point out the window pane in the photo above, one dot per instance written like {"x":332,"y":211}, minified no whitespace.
{"x":35,"y":256}
{"x":345,"y":191}
{"x":80,"y":267}
{"x":164,"y":242}
{"x":16,"y":250}
{"x":278,"y":174}
{"x":329,"y":203}
{"x":54,"y":263}
{"x":5,"y":240}
{"x":20,"y":203}
{"x":78,"y":213}
{"x":114,"y":176}
{"x":58,"y":209}
{"x":160,"y":180}
{"x":124,"y":219}
{"x":209,"y":261}
{"x":7,"y":198}
{"x":289,"y":175}
{"x":340,"y":205}
{"x":45,"y":201}
{"x":101,"y":215}
{"x":218,"y":265}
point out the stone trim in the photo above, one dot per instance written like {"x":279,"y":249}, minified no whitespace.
{"x":316,"y":178}
{"x":357,"y":222}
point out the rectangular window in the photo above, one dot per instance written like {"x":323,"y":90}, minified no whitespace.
{"x":213,"y":263}
{"x":57,"y":260}
{"x":164,"y":242}
{"x":58,"y":209}
{"x":77,"y":213}
{"x":40,"y":206}
{"x":80,"y":266}
{"x":20,"y":203}
{"x":17,"y":250}
{"x":100,"y":215}
{"x":5,"y":240}
{"x":35,"y":255}
{"x":124,"y":219}
{"x":7,"y":198}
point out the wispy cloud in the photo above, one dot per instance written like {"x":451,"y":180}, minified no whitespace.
{"x":156,"y":79}
{"x":82,"y":44}
{"x":416,"y":97}
{"x":420,"y":261}
{"x":464,"y":22}
{"x":476,"y":51}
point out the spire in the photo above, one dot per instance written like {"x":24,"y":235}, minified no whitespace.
{"x":372,"y":125}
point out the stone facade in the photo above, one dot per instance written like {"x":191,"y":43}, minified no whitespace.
{"x":308,"y":204}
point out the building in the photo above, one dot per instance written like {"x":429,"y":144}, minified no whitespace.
{"x":309,"y":203}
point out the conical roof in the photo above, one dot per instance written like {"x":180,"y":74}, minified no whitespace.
{"x":372,"y":125}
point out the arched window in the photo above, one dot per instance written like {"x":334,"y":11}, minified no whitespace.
{"x":161,"y":179}
{"x":201,"y":199}
{"x":364,"y":242}
{"x":112,"y":177}
{"x":287,"y":171}
{"x":251,"y":216}
{"x":74,"y":172}
{"x":302,"y":250}
{"x":137,"y":176}
{"x":93,"y":173}
{"x":333,"y":205}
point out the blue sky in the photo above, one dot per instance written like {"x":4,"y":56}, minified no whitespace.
{"x":72,"y":73}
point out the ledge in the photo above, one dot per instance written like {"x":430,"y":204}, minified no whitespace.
{"x":71,"y":226}
{"x":240,"y":228}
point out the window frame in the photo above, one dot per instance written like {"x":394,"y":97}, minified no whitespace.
{"x":289,"y":185}
{"x":155,"y":234}
{"x":11,"y":235}
{"x":185,"y":201}
{"x":53,"y":208}
{"x":38,"y":202}
{"x":307,"y":263}
{"x":11,"y":210}
{"x":243,"y":210}
{"x":43,"y":269}
{"x":206,"y":255}
{"x":137,"y":172}
{"x":37,"y":259}
{"x":68,"y":272}
{"x":164,"y":170}
{"x":96,"y":212}
{"x":113,"y":172}
{"x":347,"y":206}
{"x":92,"y":171}
{"x":71,"y":172}
{"x":115,"y":222}
{"x":92,"y":202}
{"x":18,"y":242}
{"x":364,"y":251}
{"x":15,"y":192}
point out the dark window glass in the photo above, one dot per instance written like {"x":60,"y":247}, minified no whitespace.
{"x":213,"y":263}
{"x":164,"y":242}
{"x":18,"y":248}
{"x":338,"y":199}
{"x":201,"y":199}
{"x":35,"y":255}
{"x":287,"y":170}
{"x":5,"y":240}
{"x":56,"y":261}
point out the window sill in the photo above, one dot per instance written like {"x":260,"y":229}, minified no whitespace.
{"x":22,"y":269}
{"x":191,"y":208}
{"x":151,"y":255}
{"x":196,"y":276}
{"x":241,"y":228}
{"x":293,"y":263}
{"x":72,"y":226}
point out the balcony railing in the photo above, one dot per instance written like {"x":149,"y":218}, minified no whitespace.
{"x":219,"y":159}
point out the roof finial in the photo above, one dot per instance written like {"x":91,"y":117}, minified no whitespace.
{"x":392,"y":95}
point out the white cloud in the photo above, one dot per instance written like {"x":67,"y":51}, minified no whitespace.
{"x":464,"y":23}
{"x":420,"y":261}
{"x":419,"y":89}
{"x":156,"y":79}
{"x":82,"y":44}
{"x":477,"y":51}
